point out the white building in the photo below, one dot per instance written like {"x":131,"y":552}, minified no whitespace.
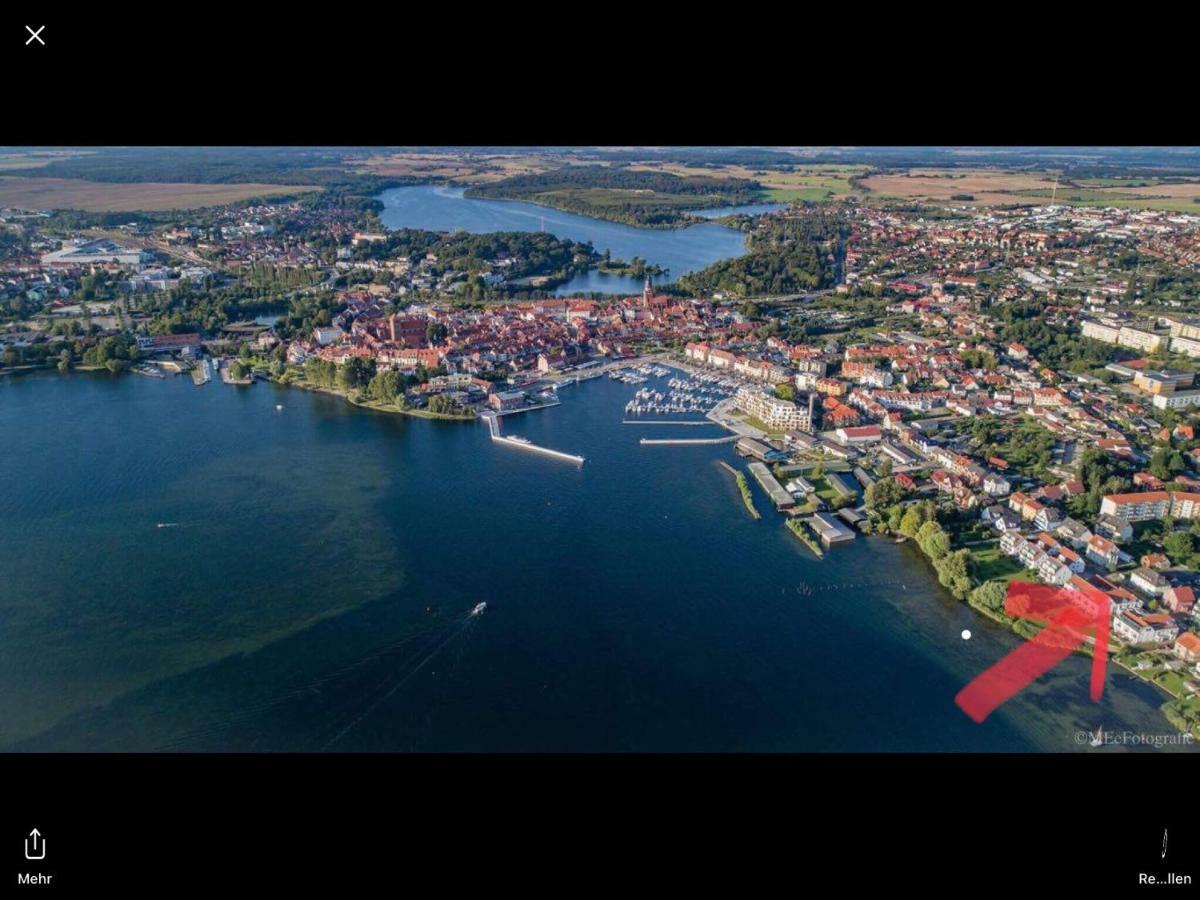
{"x":1186,"y":346}
{"x":97,"y":252}
{"x":1098,"y":331}
{"x":780,"y":415}
{"x":326,"y":336}
{"x":1146,"y":341}
{"x":1144,"y":629}
{"x":1177,"y":400}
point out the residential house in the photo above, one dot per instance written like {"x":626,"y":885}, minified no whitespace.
{"x":1187,"y":647}
{"x":1149,"y":582}
{"x":1146,"y":628}
{"x":1102,"y":551}
{"x":1179,"y":599}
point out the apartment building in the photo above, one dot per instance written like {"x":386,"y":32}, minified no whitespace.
{"x":1145,"y":505}
{"x":781,"y":415}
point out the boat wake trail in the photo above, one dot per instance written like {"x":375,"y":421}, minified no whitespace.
{"x":458,"y":631}
{"x":433,"y":635}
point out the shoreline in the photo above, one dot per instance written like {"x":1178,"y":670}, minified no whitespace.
{"x":1025,"y":629}
{"x":1022,"y":629}
{"x":996,"y":617}
{"x":373,"y":405}
{"x":696,"y":220}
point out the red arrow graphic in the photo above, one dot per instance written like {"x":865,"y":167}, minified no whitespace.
{"x":1070,"y":617}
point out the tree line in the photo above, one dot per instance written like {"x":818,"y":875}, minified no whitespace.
{"x":787,"y":255}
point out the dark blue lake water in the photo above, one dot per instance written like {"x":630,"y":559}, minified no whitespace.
{"x":311,"y":587}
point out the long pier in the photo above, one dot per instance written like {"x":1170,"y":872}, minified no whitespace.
{"x":524,"y":409}
{"x":494,"y":429}
{"x":728,"y":439}
{"x":664,"y":422}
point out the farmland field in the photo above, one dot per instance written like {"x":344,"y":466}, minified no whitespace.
{"x":93,"y":196}
{"x":34,"y":159}
{"x":995,"y":186}
{"x":476,"y":168}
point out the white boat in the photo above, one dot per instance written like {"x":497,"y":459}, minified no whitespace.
{"x":520,"y":440}
{"x":479,"y":608}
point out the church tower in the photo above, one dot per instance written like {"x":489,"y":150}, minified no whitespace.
{"x":646,"y":292}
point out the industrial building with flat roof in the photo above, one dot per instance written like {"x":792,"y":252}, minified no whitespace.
{"x":781,"y":498}
{"x":830,"y":529}
{"x":97,"y":252}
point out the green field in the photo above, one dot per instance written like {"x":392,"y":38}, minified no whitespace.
{"x":825,"y":490}
{"x":755,"y":422}
{"x":801,"y":183}
{"x":813,"y":184}
{"x":991,"y":565}
{"x":799,"y":195}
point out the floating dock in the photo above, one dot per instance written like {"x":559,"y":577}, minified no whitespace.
{"x":721,"y":440}
{"x":494,"y":429}
{"x":665,"y":422}
{"x":524,"y":409}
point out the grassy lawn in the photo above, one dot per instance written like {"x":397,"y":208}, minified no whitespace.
{"x":810,"y":506}
{"x":825,"y":490}
{"x":755,"y":422}
{"x":795,"y":195}
{"x":1172,"y":682}
{"x":992,"y":565}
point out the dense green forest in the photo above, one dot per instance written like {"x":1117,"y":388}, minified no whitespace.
{"x":201,"y":165}
{"x":12,"y":245}
{"x":704,"y":156}
{"x":257,"y":291}
{"x":786,"y":256}
{"x":619,"y":194}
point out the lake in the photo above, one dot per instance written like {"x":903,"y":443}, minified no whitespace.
{"x":193,"y":569}
{"x":752,"y":209}
{"x":679,"y":250}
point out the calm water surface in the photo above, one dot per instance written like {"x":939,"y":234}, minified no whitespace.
{"x":680,"y":250}
{"x":311,"y":589}
{"x":751,"y":209}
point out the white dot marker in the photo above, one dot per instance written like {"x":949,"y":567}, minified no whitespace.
{"x":966,"y":635}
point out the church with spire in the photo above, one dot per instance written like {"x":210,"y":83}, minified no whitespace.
{"x":650,"y":300}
